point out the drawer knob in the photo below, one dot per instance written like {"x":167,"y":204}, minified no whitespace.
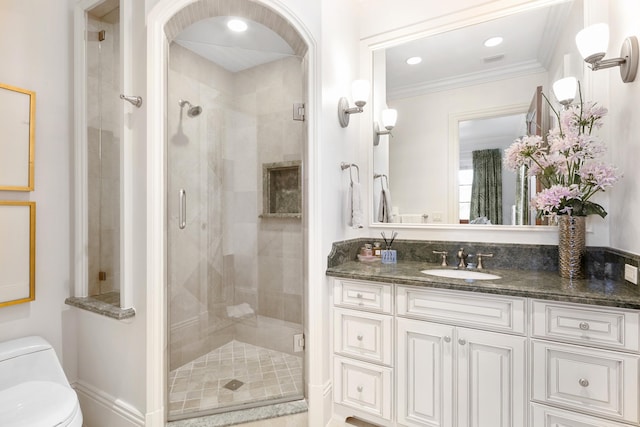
{"x":447,"y":338}
{"x":583,"y":382}
{"x":358,"y":295}
{"x":359,"y":388}
{"x":359,"y":337}
{"x":584,"y":326}
{"x":462,"y":341}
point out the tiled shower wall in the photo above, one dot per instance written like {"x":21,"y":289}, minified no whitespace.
{"x":103,"y":153}
{"x":227,"y":255}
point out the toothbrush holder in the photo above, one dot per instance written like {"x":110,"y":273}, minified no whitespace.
{"x":389,"y":256}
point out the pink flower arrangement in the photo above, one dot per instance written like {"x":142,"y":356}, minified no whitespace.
{"x":566,"y":163}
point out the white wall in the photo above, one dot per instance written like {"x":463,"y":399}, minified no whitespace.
{"x":35,"y":47}
{"x":624,"y":127}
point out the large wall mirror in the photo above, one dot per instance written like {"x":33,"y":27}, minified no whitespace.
{"x":467,"y":100}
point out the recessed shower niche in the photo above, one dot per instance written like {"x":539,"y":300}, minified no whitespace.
{"x":281,"y":190}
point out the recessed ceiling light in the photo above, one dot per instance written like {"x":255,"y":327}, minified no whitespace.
{"x":493,"y":41}
{"x":237,"y":25}
{"x":414,"y":60}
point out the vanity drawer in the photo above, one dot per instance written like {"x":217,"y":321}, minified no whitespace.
{"x":369,"y":296}
{"x":546,"y":416}
{"x":506,"y":314}
{"x":593,"y":381}
{"x":363,"y":386}
{"x":363,"y":335}
{"x":584,"y":324}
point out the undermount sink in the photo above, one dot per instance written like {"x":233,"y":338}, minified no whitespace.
{"x":461,"y":274}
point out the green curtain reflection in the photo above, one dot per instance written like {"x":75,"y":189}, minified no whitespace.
{"x":486,"y":190}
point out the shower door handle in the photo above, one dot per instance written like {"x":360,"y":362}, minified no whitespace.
{"x":182,"y":214}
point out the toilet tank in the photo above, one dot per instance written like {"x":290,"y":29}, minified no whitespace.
{"x":29,"y":359}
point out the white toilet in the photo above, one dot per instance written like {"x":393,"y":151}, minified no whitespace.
{"x":34,"y":391}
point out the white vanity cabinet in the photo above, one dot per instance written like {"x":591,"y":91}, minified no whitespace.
{"x":418,"y":356}
{"x":452,"y":375}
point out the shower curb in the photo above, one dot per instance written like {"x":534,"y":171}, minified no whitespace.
{"x":244,"y":415}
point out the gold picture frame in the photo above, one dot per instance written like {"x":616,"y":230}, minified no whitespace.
{"x":17,"y":138}
{"x":17,"y":252}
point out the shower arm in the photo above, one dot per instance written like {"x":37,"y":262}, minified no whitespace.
{"x":135,"y":100}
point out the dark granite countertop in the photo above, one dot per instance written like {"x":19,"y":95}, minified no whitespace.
{"x":520,"y":283}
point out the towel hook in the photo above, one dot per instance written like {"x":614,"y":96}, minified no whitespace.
{"x":345,"y":165}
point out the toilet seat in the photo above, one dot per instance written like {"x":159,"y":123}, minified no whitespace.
{"x":38,"y":404}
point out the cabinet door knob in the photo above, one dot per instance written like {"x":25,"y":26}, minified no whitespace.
{"x":584,"y":326}
{"x":583,"y":382}
{"x":447,"y":338}
{"x":462,"y":341}
{"x":359,"y":388}
{"x":359,"y":337}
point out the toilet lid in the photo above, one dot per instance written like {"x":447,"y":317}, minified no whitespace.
{"x":37,"y":404}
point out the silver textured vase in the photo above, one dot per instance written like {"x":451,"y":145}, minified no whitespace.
{"x":571,"y":246}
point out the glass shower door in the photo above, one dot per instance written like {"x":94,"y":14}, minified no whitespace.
{"x":235,"y":275}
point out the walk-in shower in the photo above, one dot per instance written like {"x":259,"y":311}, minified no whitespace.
{"x":234,"y":274}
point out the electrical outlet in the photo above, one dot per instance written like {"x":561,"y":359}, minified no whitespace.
{"x":631,"y":273}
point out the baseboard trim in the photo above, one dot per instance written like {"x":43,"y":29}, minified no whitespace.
{"x":109,"y":403}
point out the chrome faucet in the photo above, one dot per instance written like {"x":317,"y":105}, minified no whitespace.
{"x":462,"y":257}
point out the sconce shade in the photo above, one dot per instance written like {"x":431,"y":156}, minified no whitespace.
{"x":360,"y":92}
{"x":389,"y":118}
{"x":565,"y":90}
{"x":593,"y":42}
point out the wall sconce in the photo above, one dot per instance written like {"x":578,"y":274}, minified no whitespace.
{"x":360,"y":95}
{"x":389,"y":118}
{"x":593,"y":42}
{"x":565,"y":90}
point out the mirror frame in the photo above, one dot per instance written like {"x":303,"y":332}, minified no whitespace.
{"x":535,"y":234}
{"x":29,"y":172}
{"x":20,"y":220}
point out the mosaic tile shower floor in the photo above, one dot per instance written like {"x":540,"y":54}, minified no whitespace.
{"x":198,"y":386}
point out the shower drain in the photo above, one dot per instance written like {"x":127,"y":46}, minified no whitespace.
{"x":233,"y":385}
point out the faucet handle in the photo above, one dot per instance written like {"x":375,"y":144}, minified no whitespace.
{"x":444,"y":257}
{"x":480,"y":256}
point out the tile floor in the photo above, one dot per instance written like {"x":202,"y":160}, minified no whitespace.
{"x":266,"y":374}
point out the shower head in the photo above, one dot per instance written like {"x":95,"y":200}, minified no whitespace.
{"x":193,"y":111}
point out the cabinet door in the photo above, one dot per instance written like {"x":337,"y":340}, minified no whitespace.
{"x":424,"y":373}
{"x":491,"y":385}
